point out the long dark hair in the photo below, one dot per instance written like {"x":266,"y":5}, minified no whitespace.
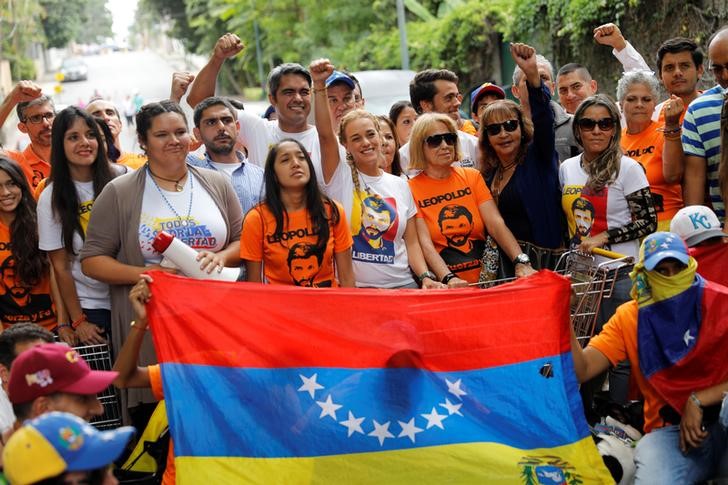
{"x":396,"y":167}
{"x":316,"y":201}
{"x":31,"y":263}
{"x":64,"y":199}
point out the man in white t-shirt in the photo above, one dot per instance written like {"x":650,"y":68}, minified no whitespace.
{"x":436,"y":91}
{"x":289,"y":91}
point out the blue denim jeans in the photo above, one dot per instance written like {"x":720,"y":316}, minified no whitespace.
{"x":659,"y":459}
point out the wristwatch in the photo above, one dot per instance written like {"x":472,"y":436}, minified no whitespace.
{"x":694,"y":399}
{"x":427,"y":274}
{"x":522,"y":259}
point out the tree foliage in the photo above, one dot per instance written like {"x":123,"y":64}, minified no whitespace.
{"x":84,"y":21}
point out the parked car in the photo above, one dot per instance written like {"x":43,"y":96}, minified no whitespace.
{"x":74,"y":69}
{"x":381,"y":89}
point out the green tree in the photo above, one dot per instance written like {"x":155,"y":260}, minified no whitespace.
{"x":62,"y":21}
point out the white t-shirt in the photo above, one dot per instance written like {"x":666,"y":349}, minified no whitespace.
{"x":468,"y":151}
{"x":226,"y":169}
{"x":379,"y":254}
{"x":92,"y":294}
{"x":259,"y":135}
{"x":606,"y":210}
{"x":197,"y":222}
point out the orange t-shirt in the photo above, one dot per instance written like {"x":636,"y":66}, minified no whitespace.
{"x":469,"y":128}
{"x":646,"y":148}
{"x":18,"y":302}
{"x":450,"y":207}
{"x":155,"y":379}
{"x":35,"y":168}
{"x":132,"y":160}
{"x":618,"y":341}
{"x":292,"y":258}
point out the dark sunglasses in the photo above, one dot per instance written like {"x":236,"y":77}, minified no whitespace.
{"x":588,"y":124}
{"x":494,"y":129}
{"x":434,"y":141}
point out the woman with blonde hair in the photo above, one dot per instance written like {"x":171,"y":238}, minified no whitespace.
{"x":380,"y":206}
{"x":455,"y":208}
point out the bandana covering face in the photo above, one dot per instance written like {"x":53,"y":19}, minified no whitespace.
{"x":680,"y":332}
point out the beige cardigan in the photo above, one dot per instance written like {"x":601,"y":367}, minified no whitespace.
{"x":113,"y":230}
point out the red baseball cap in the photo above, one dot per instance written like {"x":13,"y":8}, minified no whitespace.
{"x":49,"y":368}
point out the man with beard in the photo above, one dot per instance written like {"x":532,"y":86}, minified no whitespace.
{"x":376,"y":219}
{"x":304,"y":263}
{"x":456,"y":224}
{"x":583,"y":212}
{"x":35,"y":117}
{"x":217,"y":126}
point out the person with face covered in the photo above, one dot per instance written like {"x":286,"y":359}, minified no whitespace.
{"x":674,"y":332}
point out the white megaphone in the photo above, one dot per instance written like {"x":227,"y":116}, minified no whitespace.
{"x":184,"y":258}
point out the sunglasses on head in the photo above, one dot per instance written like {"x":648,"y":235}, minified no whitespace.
{"x":605,"y":124}
{"x":494,"y":129}
{"x":434,"y":141}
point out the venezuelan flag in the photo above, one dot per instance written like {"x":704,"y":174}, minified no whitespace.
{"x":273,"y":384}
{"x":682,"y":341}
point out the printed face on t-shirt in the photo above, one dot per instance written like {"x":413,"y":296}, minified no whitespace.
{"x":456,"y":225}
{"x":375,"y":220}
{"x":304,"y":270}
{"x":583,"y":220}
{"x":11,"y":285}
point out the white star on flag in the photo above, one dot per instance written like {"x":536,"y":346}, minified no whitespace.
{"x":409,"y":429}
{"x":328,"y":408}
{"x":434,"y":419}
{"x":454,"y":388}
{"x":309,"y":384}
{"x":381,"y":432}
{"x":452,"y":408}
{"x":353,"y":424}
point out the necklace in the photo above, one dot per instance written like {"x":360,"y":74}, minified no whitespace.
{"x":177,"y":186}
{"x":186,"y":220}
{"x":500,"y":172}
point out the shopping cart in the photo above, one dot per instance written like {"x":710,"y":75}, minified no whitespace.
{"x":591,"y":282}
{"x":98,"y":357}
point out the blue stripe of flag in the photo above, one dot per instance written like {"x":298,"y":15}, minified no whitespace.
{"x":264,"y":412}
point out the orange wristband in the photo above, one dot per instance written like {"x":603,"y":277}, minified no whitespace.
{"x":78,"y":322}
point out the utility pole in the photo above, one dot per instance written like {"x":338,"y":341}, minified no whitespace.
{"x":402,"y":35}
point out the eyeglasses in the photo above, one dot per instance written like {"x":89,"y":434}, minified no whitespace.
{"x":434,"y":141}
{"x":35,"y":119}
{"x":717,"y":69}
{"x":588,"y":124}
{"x":494,"y":129}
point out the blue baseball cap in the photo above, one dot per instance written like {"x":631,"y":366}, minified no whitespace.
{"x":55,"y":443}
{"x":337,"y":77}
{"x":486,"y":88}
{"x":662,"y":245}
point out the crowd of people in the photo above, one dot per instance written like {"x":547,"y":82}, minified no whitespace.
{"x":421,"y":198}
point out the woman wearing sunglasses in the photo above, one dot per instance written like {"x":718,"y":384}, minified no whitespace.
{"x":380,"y":206}
{"x":521,"y":166}
{"x":651,"y":143}
{"x":455,"y":208}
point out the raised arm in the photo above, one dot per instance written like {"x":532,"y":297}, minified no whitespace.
{"x":23,"y":91}
{"x":631,"y":60}
{"x":229,"y":45}
{"x":321,"y":69}
{"x":181,"y":80}
{"x":673,"y":157}
{"x":538,"y":99}
{"x":130,"y":374}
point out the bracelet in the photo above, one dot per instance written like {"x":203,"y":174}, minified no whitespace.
{"x":678,"y":129}
{"x":446,"y":279}
{"x":427,"y":274}
{"x":694,"y":399}
{"x":79,"y":321}
{"x":64,"y":325}
{"x":319,"y":90}
{"x":133,"y":324}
